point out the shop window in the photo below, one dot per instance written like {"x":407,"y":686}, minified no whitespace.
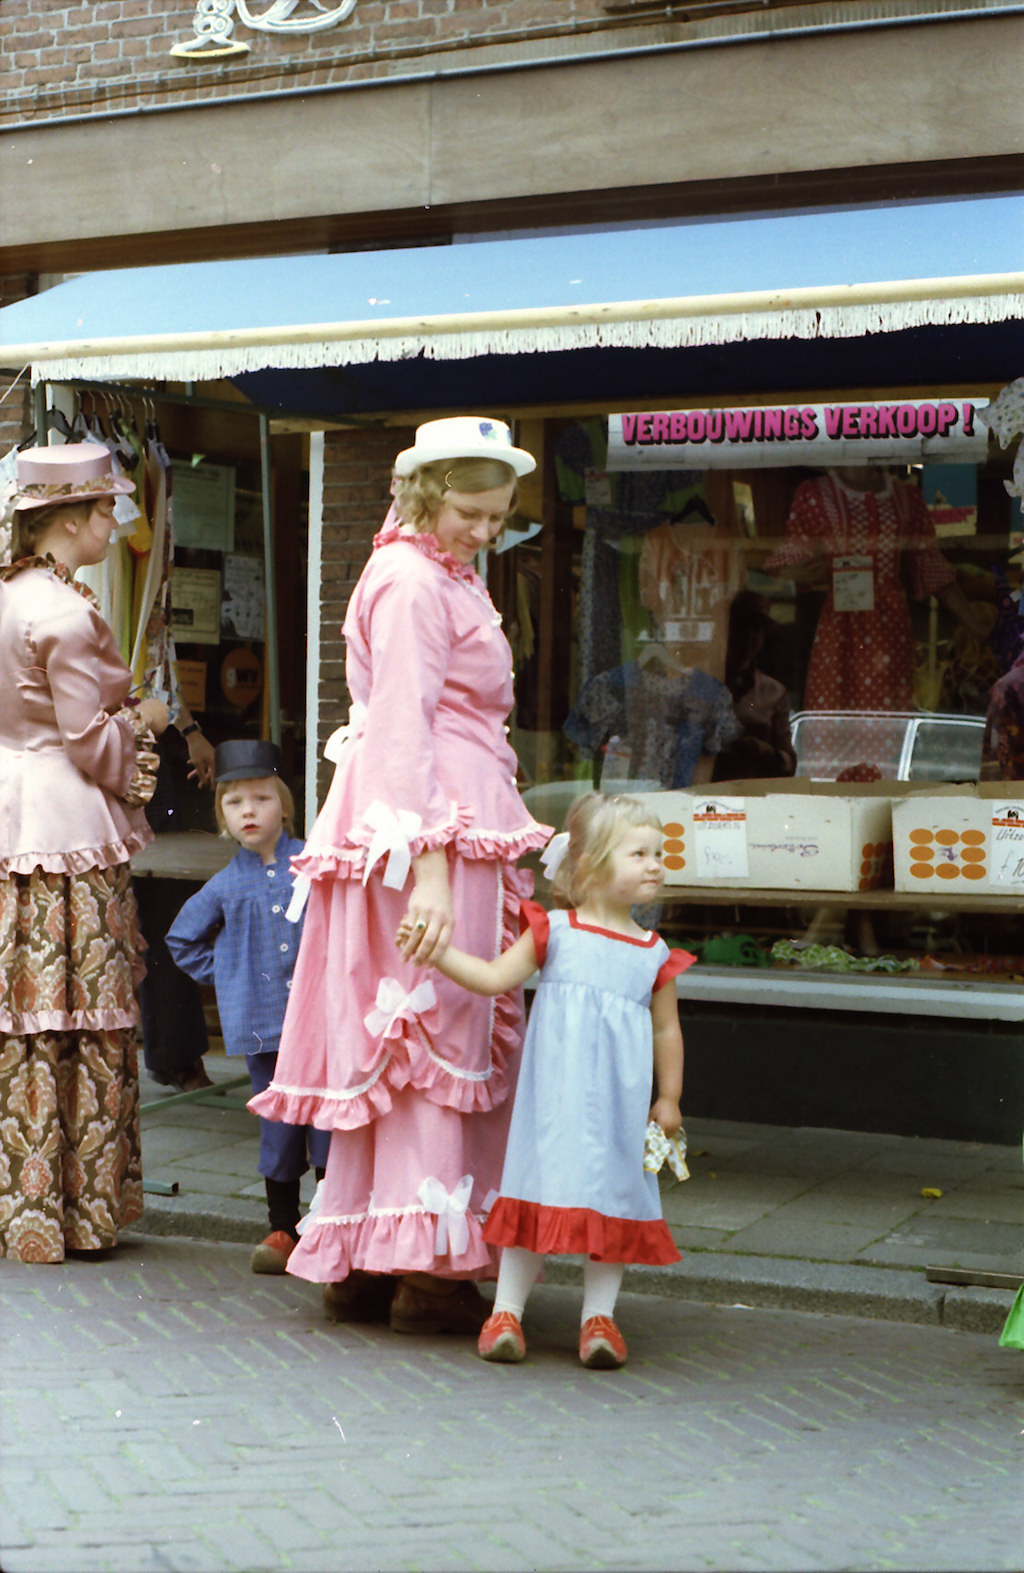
{"x":706,"y":608}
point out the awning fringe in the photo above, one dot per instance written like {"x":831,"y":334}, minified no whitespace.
{"x":656,"y":325}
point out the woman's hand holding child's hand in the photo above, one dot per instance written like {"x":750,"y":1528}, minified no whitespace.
{"x":426,"y":929}
{"x":667,"y":1114}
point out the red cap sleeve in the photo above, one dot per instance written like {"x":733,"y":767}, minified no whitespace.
{"x":678,"y":961}
{"x":532,"y":916}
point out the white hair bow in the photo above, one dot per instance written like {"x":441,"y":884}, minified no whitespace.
{"x":346,"y":734}
{"x":452,"y":1229}
{"x":393,"y":1006}
{"x":554,"y":853}
{"x":392,"y":833}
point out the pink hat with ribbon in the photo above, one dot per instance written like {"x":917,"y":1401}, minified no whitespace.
{"x":70,"y":472}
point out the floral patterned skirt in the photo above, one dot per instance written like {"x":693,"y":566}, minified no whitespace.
{"x":70,"y":1144}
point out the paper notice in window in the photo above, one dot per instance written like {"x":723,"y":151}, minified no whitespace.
{"x":720,"y":838}
{"x":1007,"y":844}
{"x":853,"y":584}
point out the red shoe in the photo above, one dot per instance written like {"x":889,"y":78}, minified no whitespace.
{"x":501,"y":1339}
{"x":271,"y":1256}
{"x":602,"y":1346}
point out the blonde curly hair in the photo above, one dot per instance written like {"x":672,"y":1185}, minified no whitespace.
{"x":595,"y":823}
{"x":418,"y":497}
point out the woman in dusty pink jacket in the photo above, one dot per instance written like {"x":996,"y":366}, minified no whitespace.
{"x":423,"y":821}
{"x":75,"y":767}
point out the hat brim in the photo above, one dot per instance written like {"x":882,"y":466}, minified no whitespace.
{"x":517,"y":459}
{"x":118,"y":486}
{"x":248,"y":773}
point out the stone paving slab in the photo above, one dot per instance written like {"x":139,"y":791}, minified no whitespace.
{"x":790,"y":1208}
{"x":164,"y":1410}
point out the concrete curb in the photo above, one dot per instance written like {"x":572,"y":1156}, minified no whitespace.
{"x":889,"y":1294}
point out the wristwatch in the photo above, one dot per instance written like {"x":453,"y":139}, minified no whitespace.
{"x":187,"y":731}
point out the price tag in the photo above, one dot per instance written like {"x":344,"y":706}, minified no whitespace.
{"x":853,"y":584}
{"x":597,"y":488}
{"x":1008,"y":844}
{"x":720,"y":838}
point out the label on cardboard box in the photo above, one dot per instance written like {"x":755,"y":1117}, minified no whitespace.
{"x":1007,"y":844}
{"x":720,"y":838}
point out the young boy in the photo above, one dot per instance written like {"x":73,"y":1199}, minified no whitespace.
{"x":234,"y":933}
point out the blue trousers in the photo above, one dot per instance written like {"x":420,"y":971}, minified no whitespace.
{"x":286,"y":1151}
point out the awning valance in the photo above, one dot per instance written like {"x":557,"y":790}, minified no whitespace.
{"x":819,"y":276}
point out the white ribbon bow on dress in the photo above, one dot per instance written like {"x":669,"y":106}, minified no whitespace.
{"x":300,"y":894}
{"x":392,"y":833}
{"x":310,"y":1218}
{"x":553,"y":854}
{"x":452,"y":1229}
{"x":347,"y":733}
{"x":394,"y":1005}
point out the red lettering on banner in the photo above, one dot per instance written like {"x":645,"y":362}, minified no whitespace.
{"x":808,"y":423}
{"x":927,"y":419}
{"x":906,"y":420}
{"x":886,"y":420}
{"x":947,"y":418}
{"x":643,"y":428}
{"x":716,"y":426}
{"x":791,"y":422}
{"x":696,"y":426}
{"x":833,"y":419}
{"x":868,"y":420}
{"x":773,"y":425}
{"x":968,"y":419}
{"x":851,"y":427}
{"x":628,"y":429}
{"x":677,"y":426}
{"x":660,"y":424}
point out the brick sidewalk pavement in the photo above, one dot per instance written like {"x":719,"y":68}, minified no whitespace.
{"x":166,"y":1412}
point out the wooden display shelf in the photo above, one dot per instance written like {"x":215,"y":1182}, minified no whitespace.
{"x":932,"y":899}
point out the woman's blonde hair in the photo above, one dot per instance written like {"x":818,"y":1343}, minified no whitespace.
{"x":28,"y":524}
{"x":418,"y":497}
{"x":283,"y":792}
{"x":595,"y":824}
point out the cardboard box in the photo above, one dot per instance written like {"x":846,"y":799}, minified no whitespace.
{"x":961,"y":839}
{"x":779,"y":835}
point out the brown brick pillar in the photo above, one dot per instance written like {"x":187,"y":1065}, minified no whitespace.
{"x":357,"y":481}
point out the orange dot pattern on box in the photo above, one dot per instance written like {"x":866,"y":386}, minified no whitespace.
{"x":948,"y":854}
{"x":875,"y":858}
{"x":674,"y":846}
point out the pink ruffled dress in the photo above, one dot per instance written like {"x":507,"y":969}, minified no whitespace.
{"x":411,"y":1073}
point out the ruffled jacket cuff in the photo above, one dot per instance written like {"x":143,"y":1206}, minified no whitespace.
{"x":143,"y":780}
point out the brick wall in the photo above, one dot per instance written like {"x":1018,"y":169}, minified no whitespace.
{"x":59,"y":59}
{"x":16,"y":408}
{"x":357,"y":473}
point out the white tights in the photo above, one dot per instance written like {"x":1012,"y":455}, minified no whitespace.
{"x":518,"y":1274}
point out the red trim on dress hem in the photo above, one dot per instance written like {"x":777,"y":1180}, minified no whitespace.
{"x":561,"y":1231}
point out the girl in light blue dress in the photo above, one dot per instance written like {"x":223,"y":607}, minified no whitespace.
{"x":603,"y":1030}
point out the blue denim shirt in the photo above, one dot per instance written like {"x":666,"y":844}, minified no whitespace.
{"x":234,"y":934}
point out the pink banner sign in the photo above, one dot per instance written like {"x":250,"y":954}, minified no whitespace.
{"x":749,"y":437}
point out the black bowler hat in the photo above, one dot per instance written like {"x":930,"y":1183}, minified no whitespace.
{"x":245,"y":760}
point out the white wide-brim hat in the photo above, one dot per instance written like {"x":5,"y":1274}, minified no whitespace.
{"x":70,"y":472}
{"x":464,"y":437}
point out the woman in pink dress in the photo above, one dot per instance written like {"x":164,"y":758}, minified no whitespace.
{"x":423,"y":822}
{"x":76,"y":766}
